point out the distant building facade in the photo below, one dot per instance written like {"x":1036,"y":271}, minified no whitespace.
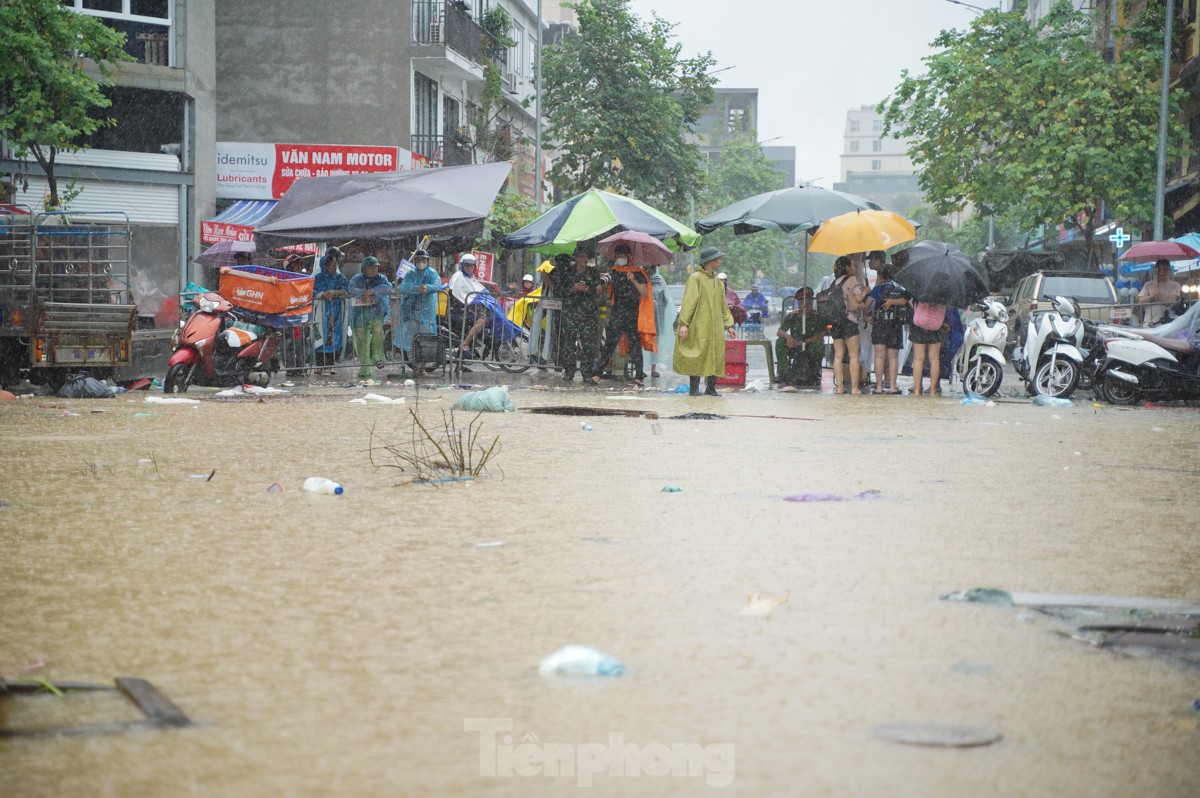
{"x":733,"y":113}
{"x":874,"y":166}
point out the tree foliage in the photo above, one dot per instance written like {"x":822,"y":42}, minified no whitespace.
{"x":741,"y":171}
{"x":48,"y":100}
{"x":1032,"y":123}
{"x":619,"y":101}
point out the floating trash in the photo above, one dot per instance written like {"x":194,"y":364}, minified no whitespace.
{"x":760,"y":606}
{"x":580,"y":661}
{"x":672,"y":489}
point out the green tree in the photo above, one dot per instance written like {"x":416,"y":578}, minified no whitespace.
{"x":48,"y":98}
{"x":1032,"y":123}
{"x":620,"y":102}
{"x":742,"y":170}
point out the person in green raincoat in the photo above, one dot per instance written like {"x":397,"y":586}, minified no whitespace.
{"x":704,"y":322}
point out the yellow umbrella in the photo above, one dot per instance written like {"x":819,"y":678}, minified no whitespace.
{"x":862,"y":231}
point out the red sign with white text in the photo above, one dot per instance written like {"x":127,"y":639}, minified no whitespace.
{"x":487,"y":262}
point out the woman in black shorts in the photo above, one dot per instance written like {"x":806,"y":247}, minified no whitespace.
{"x":845,"y":332}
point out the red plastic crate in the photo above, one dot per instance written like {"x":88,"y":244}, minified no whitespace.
{"x":735,"y":374}
{"x":735,"y":352}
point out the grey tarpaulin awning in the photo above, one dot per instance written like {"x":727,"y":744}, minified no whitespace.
{"x":452,"y":200}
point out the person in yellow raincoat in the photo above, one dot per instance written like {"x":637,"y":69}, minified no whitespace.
{"x":704,"y":322}
{"x":631,"y":316}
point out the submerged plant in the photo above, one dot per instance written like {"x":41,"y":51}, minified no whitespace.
{"x":432,"y":455}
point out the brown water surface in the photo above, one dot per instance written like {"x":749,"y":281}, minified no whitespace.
{"x":343,"y":645}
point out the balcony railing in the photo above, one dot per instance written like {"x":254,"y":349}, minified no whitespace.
{"x":442,"y":150}
{"x":445,"y":22}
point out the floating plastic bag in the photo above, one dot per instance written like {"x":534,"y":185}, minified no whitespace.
{"x":493,"y":400}
{"x":580,"y":661}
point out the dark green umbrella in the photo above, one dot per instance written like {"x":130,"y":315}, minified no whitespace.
{"x":788,"y":209}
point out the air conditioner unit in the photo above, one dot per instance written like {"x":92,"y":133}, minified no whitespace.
{"x":510,"y":81}
{"x":435,"y":33}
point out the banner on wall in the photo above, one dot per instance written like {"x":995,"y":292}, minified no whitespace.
{"x":248,"y":170}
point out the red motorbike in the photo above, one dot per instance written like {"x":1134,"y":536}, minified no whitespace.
{"x":210,"y":351}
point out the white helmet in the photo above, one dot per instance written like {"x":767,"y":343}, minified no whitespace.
{"x":528,"y":278}
{"x":468,"y":260}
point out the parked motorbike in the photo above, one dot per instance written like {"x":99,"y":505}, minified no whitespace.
{"x":209,"y":351}
{"x":980,"y":361}
{"x":1136,"y":366}
{"x":1051,"y":361}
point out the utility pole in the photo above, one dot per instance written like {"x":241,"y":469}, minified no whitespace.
{"x":537,"y":110}
{"x":1160,"y":177}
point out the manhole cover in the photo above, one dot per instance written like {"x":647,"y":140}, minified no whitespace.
{"x":943,"y":735}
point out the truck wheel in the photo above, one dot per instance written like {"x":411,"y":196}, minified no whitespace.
{"x":179,"y":377}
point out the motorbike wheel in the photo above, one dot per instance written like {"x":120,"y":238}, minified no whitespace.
{"x":179,"y":377}
{"x":983,"y":377}
{"x":1120,"y":392}
{"x":512,"y":356}
{"x":1057,"y":378}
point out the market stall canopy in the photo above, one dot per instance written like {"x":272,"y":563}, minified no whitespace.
{"x":452,"y":200}
{"x":593,"y":213}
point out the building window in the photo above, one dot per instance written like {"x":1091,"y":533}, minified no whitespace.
{"x":877,"y":125}
{"x":877,"y":146}
{"x":853,"y":125}
{"x":737,"y":120}
{"x":854,"y":146}
{"x":425,"y":117}
{"x":517,"y":59}
{"x":145,"y":23}
{"x":876,"y":166}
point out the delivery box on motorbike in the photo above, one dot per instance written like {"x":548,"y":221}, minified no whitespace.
{"x":265,"y":290}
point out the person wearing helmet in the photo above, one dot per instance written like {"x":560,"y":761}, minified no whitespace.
{"x":526,"y":286}
{"x":463,"y":290}
{"x":331,"y":288}
{"x":755,"y":301}
{"x":370,"y":291}
{"x":732,"y":299}
{"x":418,"y":301}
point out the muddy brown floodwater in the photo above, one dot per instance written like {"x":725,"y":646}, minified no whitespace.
{"x":368,"y":645}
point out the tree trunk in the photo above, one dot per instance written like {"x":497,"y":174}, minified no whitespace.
{"x":46,"y":161}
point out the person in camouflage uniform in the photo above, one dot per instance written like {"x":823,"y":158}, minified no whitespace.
{"x":575,"y":282}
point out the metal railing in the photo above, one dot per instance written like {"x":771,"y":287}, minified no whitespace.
{"x":447,"y":150}
{"x":443,"y":22}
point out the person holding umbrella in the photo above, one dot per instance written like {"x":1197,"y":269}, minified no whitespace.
{"x":704,"y":322}
{"x":1161,"y":289}
{"x":631,"y":315}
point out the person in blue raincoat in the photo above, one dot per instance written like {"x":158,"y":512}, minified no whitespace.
{"x":370,"y":290}
{"x":664,"y":322}
{"x":331,"y":286}
{"x":418,"y":301}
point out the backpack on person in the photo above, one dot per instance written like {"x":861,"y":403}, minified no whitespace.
{"x":831,"y":304}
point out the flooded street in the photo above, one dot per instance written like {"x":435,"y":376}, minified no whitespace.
{"x":368,"y":645}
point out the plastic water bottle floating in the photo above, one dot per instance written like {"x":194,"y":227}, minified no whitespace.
{"x":322,"y":485}
{"x":586,"y":427}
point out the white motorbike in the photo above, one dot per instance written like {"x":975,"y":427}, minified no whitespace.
{"x":1163,"y":368}
{"x":980,"y":361}
{"x":1051,"y":360}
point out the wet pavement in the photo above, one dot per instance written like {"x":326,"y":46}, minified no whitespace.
{"x":387,"y":641}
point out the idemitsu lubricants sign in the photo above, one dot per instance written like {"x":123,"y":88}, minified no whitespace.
{"x":265,"y":171}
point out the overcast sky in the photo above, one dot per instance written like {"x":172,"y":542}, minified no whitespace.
{"x":811,"y":60}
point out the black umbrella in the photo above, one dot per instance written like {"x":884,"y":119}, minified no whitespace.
{"x":942,"y":274}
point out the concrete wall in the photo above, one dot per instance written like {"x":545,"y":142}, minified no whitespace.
{"x":197,"y":53}
{"x":311,"y":71}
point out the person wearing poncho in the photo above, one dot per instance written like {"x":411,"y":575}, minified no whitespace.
{"x":704,"y":320}
{"x":418,"y":300}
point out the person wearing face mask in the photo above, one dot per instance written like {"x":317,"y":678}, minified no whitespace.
{"x":464,"y":288}
{"x":630,"y":316}
{"x":418,"y":300}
